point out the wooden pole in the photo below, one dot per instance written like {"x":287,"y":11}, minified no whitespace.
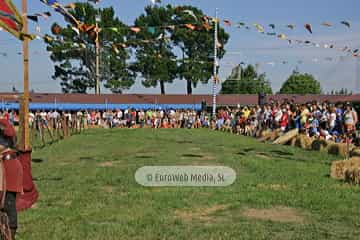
{"x":97,"y":46}
{"x":24,"y":144}
{"x":215,"y":63}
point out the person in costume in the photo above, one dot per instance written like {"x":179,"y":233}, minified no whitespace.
{"x":11,"y":178}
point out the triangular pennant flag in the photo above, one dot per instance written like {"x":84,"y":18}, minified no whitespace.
{"x":76,"y":30}
{"x":207,"y":26}
{"x":48,"y":39}
{"x":25,"y":36}
{"x":115,"y":48}
{"x":227,"y":23}
{"x":259,"y":28}
{"x":190,"y":26}
{"x":70,"y":6}
{"x":33,"y":18}
{"x":135,"y":29}
{"x":308,"y":27}
{"x":114,"y":29}
{"x":282,"y":36}
{"x":55,"y":29}
{"x":151,"y":30}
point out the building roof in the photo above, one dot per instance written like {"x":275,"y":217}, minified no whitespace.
{"x":171,"y":99}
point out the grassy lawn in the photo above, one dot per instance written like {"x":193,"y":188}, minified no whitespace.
{"x":88,"y":190}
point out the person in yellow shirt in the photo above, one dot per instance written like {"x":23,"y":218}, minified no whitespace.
{"x":304,"y":115}
{"x":246,"y":112}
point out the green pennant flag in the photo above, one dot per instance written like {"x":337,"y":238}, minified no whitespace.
{"x":114,"y":29}
{"x":151,"y":30}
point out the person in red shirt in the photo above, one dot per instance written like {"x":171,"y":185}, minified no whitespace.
{"x":11,"y":178}
{"x":6,"y":115}
{"x":284,"y":120}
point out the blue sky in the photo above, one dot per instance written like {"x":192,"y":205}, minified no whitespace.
{"x":244,"y":46}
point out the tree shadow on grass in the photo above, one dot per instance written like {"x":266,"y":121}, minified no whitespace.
{"x":37,"y":160}
{"x":193,"y":155}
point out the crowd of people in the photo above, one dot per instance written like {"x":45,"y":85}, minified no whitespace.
{"x":322,"y":120}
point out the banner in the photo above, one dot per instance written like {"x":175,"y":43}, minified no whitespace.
{"x":10,"y":19}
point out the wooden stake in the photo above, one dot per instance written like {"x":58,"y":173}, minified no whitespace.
{"x":24,"y":143}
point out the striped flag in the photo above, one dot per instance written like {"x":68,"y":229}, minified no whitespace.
{"x":10,"y":19}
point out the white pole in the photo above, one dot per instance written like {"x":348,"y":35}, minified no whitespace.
{"x":216,"y":22}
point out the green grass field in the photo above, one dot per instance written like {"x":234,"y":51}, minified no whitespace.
{"x":88,"y":190}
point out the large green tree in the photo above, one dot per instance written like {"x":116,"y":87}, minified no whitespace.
{"x":74,"y":54}
{"x":246,"y":81}
{"x":299,"y":83}
{"x":155,"y":60}
{"x":196,"y":46}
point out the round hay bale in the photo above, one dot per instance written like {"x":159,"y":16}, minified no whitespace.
{"x":275,"y":134}
{"x":303,"y":141}
{"x":264,"y":133}
{"x":319,"y":145}
{"x":338,"y":149}
{"x":352,"y":175}
{"x":355,"y":152}
{"x":338,"y":168}
{"x":293,"y":141}
{"x":287,"y":137}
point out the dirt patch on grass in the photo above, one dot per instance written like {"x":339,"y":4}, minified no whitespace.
{"x":108,"y":189}
{"x":276,"y":187}
{"x":208,"y":157}
{"x":202,"y":214}
{"x":276,"y":214}
{"x":196,"y":149}
{"x":106,"y":164}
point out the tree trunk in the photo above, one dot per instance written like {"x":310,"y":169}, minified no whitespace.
{"x":189,"y":87}
{"x":162,"y":87}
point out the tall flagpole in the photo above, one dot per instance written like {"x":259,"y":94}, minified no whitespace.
{"x":24,"y":143}
{"x":215,"y":62}
{"x":97,"y":46}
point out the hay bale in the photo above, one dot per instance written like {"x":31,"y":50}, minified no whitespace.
{"x":293,"y":142}
{"x":275,"y":134}
{"x":270,"y":136}
{"x":303,"y":141}
{"x":352,"y":175}
{"x":355,"y":152}
{"x":319,"y":145}
{"x":338,"y":149}
{"x":287,"y":137}
{"x":338,"y":168}
{"x":265,"y":132}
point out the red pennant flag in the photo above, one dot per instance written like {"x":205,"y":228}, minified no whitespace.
{"x":10,"y":19}
{"x":227,"y":23}
{"x":308,"y":27}
{"x":190,"y":26}
{"x":135,"y":29}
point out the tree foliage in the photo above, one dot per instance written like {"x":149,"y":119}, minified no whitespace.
{"x":154,"y":55}
{"x":197,"y":47}
{"x":246,"y":81}
{"x":74,"y":54}
{"x":299,"y":83}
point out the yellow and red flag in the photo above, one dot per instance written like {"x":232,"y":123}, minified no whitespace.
{"x":10,"y":19}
